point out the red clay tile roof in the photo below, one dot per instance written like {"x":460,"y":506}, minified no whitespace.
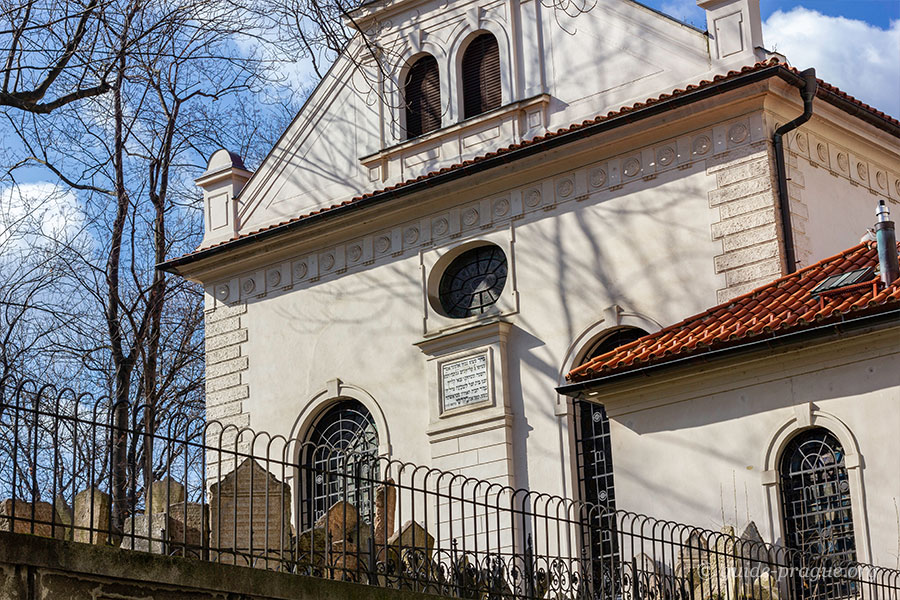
{"x":824,"y":89}
{"x":781,"y":307}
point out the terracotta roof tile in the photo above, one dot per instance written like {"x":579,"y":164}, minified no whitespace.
{"x":778,"y":308}
{"x":772,"y":62}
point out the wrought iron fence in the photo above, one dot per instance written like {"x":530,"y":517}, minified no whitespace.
{"x":222,"y":493}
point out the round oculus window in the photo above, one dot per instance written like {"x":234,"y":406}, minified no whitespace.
{"x":473,"y":282}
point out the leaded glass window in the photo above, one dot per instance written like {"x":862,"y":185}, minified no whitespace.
{"x":593,"y":453}
{"x":473,"y":282}
{"x":818,"y":516}
{"x":341,"y":460}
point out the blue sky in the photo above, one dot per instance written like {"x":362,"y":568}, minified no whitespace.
{"x":853,"y":44}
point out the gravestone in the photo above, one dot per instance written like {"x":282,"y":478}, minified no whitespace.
{"x":64,"y":516}
{"x":411,"y":540}
{"x":21,"y":521}
{"x":385,"y":503}
{"x":250,"y":499}
{"x":92,"y":511}
{"x":188,"y":528}
{"x":145,"y":534}
{"x":161,"y":494}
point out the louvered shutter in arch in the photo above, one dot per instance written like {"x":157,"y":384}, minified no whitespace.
{"x":481,"y":76}
{"x":422,"y":93}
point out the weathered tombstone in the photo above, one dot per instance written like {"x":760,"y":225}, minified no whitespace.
{"x":16,"y":516}
{"x":162,"y":494}
{"x":385,"y":502}
{"x":92,"y":512}
{"x":344,"y":561}
{"x":411,"y":539}
{"x":64,"y":516}
{"x":249,"y":499}
{"x":188,"y":528}
{"x":339,"y":519}
{"x":146,"y":534}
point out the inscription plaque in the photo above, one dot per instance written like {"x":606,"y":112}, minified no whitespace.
{"x":464,"y":382}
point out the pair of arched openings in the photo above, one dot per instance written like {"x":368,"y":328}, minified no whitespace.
{"x":814,"y":484}
{"x":480,"y":81}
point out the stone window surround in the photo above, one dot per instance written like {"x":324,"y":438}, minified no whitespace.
{"x":529,"y":117}
{"x":336,"y":389}
{"x":435,"y":261}
{"x":807,"y":416}
{"x":420,"y":41}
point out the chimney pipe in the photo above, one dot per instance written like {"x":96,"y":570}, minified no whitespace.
{"x":887,"y":245}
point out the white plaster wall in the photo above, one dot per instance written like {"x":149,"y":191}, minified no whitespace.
{"x":695,"y":454}
{"x":838,"y":214}
{"x":649,"y":251}
{"x":591,"y":63}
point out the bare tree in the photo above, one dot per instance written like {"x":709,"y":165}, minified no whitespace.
{"x":54,"y":53}
{"x":178,"y":88}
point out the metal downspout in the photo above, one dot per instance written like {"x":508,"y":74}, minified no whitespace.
{"x":808,"y":93}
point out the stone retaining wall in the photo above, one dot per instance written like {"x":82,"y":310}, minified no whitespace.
{"x":33,"y":567}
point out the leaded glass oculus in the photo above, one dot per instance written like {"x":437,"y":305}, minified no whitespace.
{"x":473,"y":282}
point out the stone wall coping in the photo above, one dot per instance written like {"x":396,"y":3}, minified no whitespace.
{"x":182,"y":573}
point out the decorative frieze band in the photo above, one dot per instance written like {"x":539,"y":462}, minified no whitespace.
{"x":841,"y":162}
{"x":594,"y":181}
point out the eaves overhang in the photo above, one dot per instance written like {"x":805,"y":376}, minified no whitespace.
{"x":542,"y":144}
{"x":765,"y":343}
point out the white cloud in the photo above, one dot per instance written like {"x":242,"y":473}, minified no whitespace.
{"x":37,"y":215}
{"x":861,"y":59}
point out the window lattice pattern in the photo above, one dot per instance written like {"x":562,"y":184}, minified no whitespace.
{"x":593,"y":450}
{"x":343,"y":441}
{"x":473,"y":282}
{"x":818,"y":517}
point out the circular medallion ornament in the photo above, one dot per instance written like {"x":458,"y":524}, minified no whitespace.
{"x":222,"y":292}
{"x":248,"y":286}
{"x":300,"y":270}
{"x":701,"y":145}
{"x":862,"y":170}
{"x":441,"y":226}
{"x":354,"y":253}
{"x":327,"y":261}
{"x":411,"y":235}
{"x":533,"y":197}
{"x":738,"y":133}
{"x":470,"y":217}
{"x":897,"y":186}
{"x":383,"y":244}
{"x":501,"y":207}
{"x":822,"y":151}
{"x":598,"y":177}
{"x":274,"y":278}
{"x":802,"y":144}
{"x":473,"y":282}
{"x":843,"y":163}
{"x":881,"y":179}
{"x":666,"y":156}
{"x":565,"y":188}
{"x":632,"y":167}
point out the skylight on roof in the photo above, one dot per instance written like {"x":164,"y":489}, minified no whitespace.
{"x":840,"y":280}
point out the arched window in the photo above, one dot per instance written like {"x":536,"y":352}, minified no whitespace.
{"x":593,"y":451}
{"x":341,"y":460}
{"x":818,"y":517}
{"x":422,"y":93}
{"x":481,"y":76}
